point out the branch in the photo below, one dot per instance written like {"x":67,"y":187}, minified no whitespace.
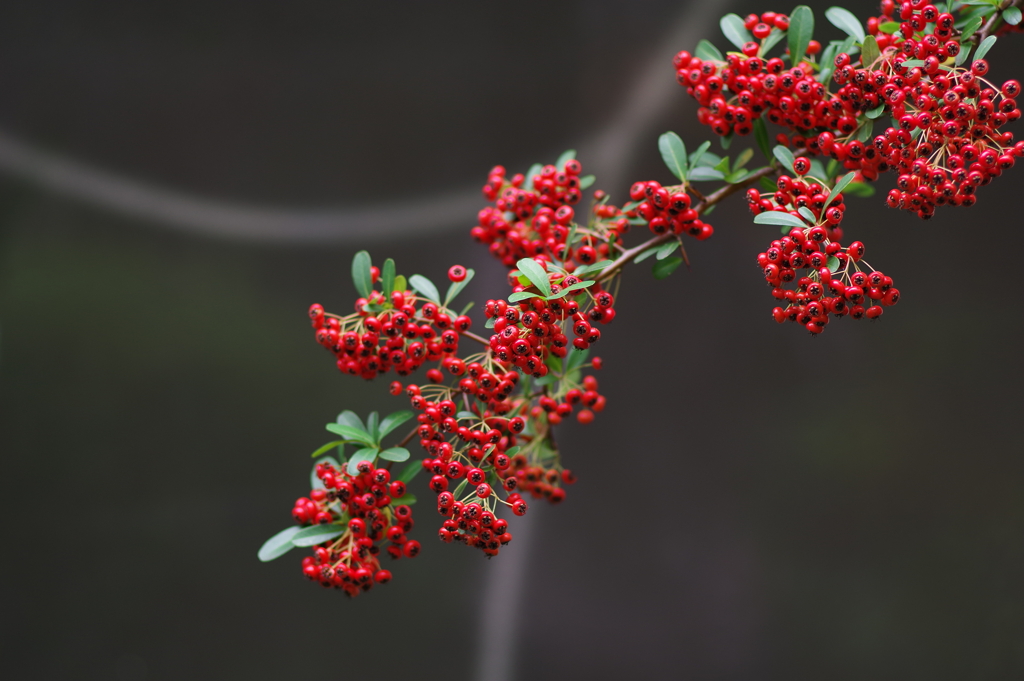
{"x":986,"y":30}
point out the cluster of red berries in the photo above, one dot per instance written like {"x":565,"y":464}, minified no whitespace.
{"x":794,"y":193}
{"x":541,"y":482}
{"x":363,"y":503}
{"x":474,"y":525}
{"x":667,"y":209}
{"x":536,"y":220}
{"x":406,"y":332}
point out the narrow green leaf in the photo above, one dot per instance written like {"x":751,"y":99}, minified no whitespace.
{"x":406,"y":499}
{"x":860,"y":189}
{"x":350,"y":418}
{"x":392,"y":421}
{"x":846,"y":22}
{"x":326,"y":448}
{"x":667,"y":249}
{"x":817,"y":170}
{"x":317,"y":534}
{"x":458,"y":488}
{"x":372,"y":426}
{"x":664,"y":268}
{"x":400,"y":283}
{"x":586,"y":181}
{"x":965,"y":51}
{"x":350,"y":433}
{"x":723,"y":165}
{"x":735,"y":31}
{"x":423,"y":285}
{"x":364,"y":454}
{"x":807,"y":214}
{"x":832,"y":169}
{"x":361,"y":276}
{"x":703,"y":174}
{"x":314,"y":481}
{"x":673,"y":153}
{"x":707,"y":52}
{"x":761,"y":137}
{"x":646,"y":254}
{"x":456,"y":287}
{"x":773,"y":39}
{"x":737,"y":176}
{"x":743,"y":158}
{"x":801,"y":29}
{"x":726,"y":140}
{"x":465,"y":415}
{"x":985,"y":46}
{"x":576,"y":359}
{"x":785,"y":229}
{"x":535,"y":169}
{"x":778,"y":218}
{"x":279,"y":544}
{"x":536,"y":274}
{"x":1012,"y":15}
{"x":768,"y":185}
{"x":971,"y":27}
{"x":398,"y":454}
{"x":838,"y":189}
{"x":569,"y":289}
{"x":410,"y":471}
{"x":586,"y":269}
{"x":522,"y":295}
{"x":697,"y":155}
{"x":889,"y":27}
{"x":567,"y":155}
{"x":489,"y":324}
{"x":785,"y":157}
{"x":387,"y":278}
{"x":870,"y":52}
{"x":876,"y":112}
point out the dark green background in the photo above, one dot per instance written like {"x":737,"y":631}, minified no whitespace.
{"x":754,"y":503}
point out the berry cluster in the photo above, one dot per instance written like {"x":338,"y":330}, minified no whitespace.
{"x":668,"y":209}
{"x":364,"y":505}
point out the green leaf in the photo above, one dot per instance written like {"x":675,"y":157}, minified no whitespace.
{"x":696,"y":156}
{"x":971,"y":27}
{"x":317,"y":534}
{"x":400,"y":283}
{"x":455,"y":288}
{"x":726,"y":140}
{"x":587,"y":269}
{"x":372,"y":423}
{"x":838,"y":189}
{"x":410,"y":471}
{"x":860,"y":189}
{"x":889,"y":27}
{"x":1012,"y":16}
{"x":664,"y":268}
{"x":985,"y":46}
{"x":737,"y":176}
{"x":489,"y":324}
{"x":536,"y":274}
{"x":801,"y":29}
{"x":350,"y":418}
{"x":778,"y":218}
{"x":673,"y":153}
{"x":387,"y":278}
{"x":785,"y":157}
{"x":832,"y":263}
{"x":398,"y":454}
{"x":364,"y":454}
{"x":846,"y":22}
{"x":807,"y":214}
{"x":326,"y":448}
{"x":703,"y":174}
{"x":522,"y":295}
{"x":833,"y":168}
{"x":723,"y":165}
{"x":535,"y":169}
{"x":569,"y":289}
{"x":567,"y":155}
{"x":361,"y":276}
{"x":876,"y":112}
{"x":406,"y":499}
{"x":586,"y":181}
{"x":646,"y":254}
{"x":707,"y":52}
{"x":773,"y":39}
{"x":785,"y":229}
{"x":817,"y":170}
{"x":743,"y":158}
{"x":350,"y":433}
{"x":576,"y":359}
{"x":314,"y":481}
{"x":392,"y":421}
{"x":466,"y":415}
{"x":279,"y":544}
{"x":458,"y":488}
{"x":768,"y":185}
{"x":735,"y":31}
{"x":965,"y":51}
{"x":666,"y":250}
{"x":870,"y":52}
{"x":426,"y":287}
{"x":761,"y":137}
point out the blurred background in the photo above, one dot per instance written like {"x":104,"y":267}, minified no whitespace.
{"x":179,"y":181}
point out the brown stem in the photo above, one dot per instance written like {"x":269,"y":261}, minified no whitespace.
{"x":478,"y":339}
{"x":986,"y":30}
